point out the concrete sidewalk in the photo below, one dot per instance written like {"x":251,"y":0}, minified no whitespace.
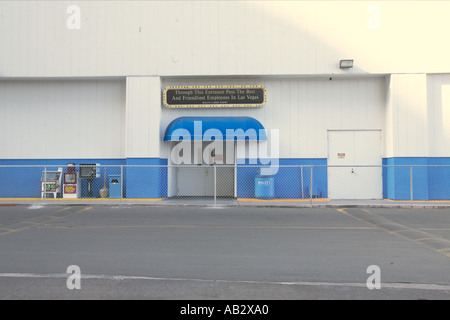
{"x":231,"y":202}
{"x":352,"y":203}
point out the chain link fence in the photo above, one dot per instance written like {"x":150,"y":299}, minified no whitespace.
{"x":224,"y":184}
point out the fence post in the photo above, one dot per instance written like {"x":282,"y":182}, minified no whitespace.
{"x":301,"y":177}
{"x":411,"y":182}
{"x":121,"y":182}
{"x":311,"y":187}
{"x":215,"y":185}
{"x":45,"y":185}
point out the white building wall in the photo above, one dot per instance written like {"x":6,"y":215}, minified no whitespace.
{"x":93,"y":119}
{"x":53,"y":119}
{"x":406,"y":116}
{"x":438,"y":87}
{"x":302,"y":109}
{"x":143,"y":116}
{"x":128,"y":38}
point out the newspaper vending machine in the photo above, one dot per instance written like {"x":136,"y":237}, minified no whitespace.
{"x":71,"y":188}
{"x":51,"y":183}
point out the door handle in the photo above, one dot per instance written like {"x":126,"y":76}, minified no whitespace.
{"x":353,"y":170}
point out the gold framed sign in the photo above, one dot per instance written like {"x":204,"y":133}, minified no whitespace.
{"x":214,"y":96}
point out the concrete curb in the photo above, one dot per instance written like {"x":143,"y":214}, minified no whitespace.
{"x":242,"y":204}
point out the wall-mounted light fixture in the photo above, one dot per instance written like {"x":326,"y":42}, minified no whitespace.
{"x":346,"y":64}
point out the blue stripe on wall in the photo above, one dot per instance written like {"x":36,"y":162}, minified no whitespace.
{"x":146,"y":182}
{"x":429,"y":183}
{"x":25,"y":181}
{"x":439,"y":179}
{"x":138,"y":182}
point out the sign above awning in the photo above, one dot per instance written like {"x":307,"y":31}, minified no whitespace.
{"x":215,"y":128}
{"x":214,"y":96}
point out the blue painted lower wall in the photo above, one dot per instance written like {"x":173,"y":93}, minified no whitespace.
{"x":439,"y":179}
{"x":145,"y":182}
{"x":430,"y":178}
{"x":139,"y":182}
{"x":149,"y":179}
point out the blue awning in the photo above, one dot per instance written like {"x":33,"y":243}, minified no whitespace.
{"x":215,"y":128}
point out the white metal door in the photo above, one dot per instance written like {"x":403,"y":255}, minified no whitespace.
{"x":347,"y":152}
{"x":368,"y":180}
{"x":341,"y":152}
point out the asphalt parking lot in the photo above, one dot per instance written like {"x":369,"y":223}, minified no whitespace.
{"x":157,"y":252}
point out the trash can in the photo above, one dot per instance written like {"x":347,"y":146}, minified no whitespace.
{"x":114,"y":186}
{"x":264,"y":187}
